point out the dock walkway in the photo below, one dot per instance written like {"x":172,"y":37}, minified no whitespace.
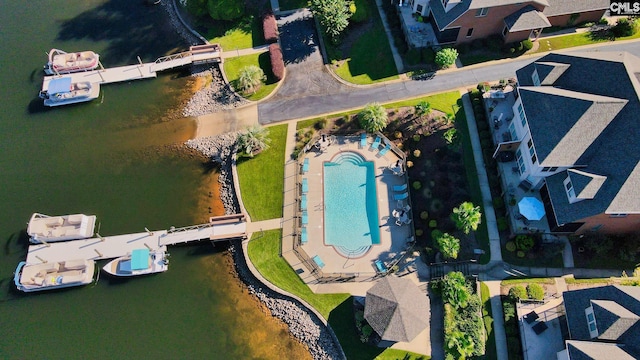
{"x":219,"y":228}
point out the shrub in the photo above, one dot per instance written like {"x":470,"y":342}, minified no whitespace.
{"x":510,"y":246}
{"x":518,"y":292}
{"x":270,"y":28}
{"x":225,"y":9}
{"x":446,"y":57}
{"x":527,"y":45}
{"x":623,"y":28}
{"x":520,"y":254}
{"x":494,"y":43}
{"x":398,"y":134}
{"x":433,"y":224}
{"x":535,"y":291}
{"x":503,"y":224}
{"x":463,"y":48}
{"x":448,"y":245}
{"x":417,"y":153}
{"x":277,"y":62}
{"x":250,"y":79}
{"x":427,"y":55}
{"x":524,"y":242}
{"x":422,"y":108}
{"x":419,"y":232}
{"x":498,"y":203}
{"x":320,"y":124}
{"x":409,"y":164}
{"x":424,"y":215}
{"x":416,"y":137}
{"x":416,"y":185}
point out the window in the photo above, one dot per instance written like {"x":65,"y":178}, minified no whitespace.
{"x":482,"y":12}
{"x":419,"y":9}
{"x":505,"y":31}
{"x":597,"y":227}
{"x":535,"y":78}
{"x":469,"y":32}
{"x":520,"y":162}
{"x":444,"y":3}
{"x":523,"y":119}
{"x":512,"y":131}
{"x":591,"y":322}
{"x":532,"y":151}
{"x":568,"y":186}
{"x":549,"y":169}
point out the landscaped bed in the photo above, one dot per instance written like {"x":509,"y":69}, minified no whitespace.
{"x":233,"y":66}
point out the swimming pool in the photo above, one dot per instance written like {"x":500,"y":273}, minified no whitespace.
{"x":351,"y":204}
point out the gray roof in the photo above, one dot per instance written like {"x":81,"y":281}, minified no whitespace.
{"x":587,"y":350}
{"x":396,"y":309}
{"x":576,"y":301}
{"x":612,"y":319}
{"x":527,"y":18}
{"x":592,"y":127}
{"x":445,"y":18}
{"x":561,"y":7}
{"x":585,"y":185}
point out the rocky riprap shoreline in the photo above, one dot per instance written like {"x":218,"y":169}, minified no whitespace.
{"x":215,"y":97}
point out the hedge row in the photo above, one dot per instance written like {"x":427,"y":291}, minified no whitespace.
{"x":270,"y":28}
{"x":277,"y":63}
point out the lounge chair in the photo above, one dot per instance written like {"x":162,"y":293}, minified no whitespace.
{"x":380,"y":266}
{"x":384,"y":151}
{"x":305,"y":185}
{"x":318,"y":261}
{"x":376,"y":144}
{"x":402,"y":196}
{"x":305,"y":166}
{"x":303,"y":202}
{"x":303,"y":236}
{"x":305,"y":218}
{"x":363,"y":140}
{"x":399,"y":188}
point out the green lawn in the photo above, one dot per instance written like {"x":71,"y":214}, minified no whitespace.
{"x":487,"y":317}
{"x":241,"y":34}
{"x":293,"y":4}
{"x":370,"y":60}
{"x":519,"y":281}
{"x":262,"y":178}
{"x":232,"y":67}
{"x":573,"y":40}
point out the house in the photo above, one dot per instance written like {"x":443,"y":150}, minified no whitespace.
{"x":575,"y":132}
{"x":460,"y":21}
{"x":603,"y":323}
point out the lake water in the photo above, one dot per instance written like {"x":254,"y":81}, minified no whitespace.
{"x":113,"y":157}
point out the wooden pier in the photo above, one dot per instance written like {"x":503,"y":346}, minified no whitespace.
{"x":196,"y":55}
{"x":220,"y":228}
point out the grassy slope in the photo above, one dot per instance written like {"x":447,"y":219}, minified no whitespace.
{"x":232,"y":67}
{"x":242,"y":34}
{"x":262,"y":178}
{"x":487,"y":317}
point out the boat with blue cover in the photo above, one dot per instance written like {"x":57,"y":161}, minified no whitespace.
{"x":139,"y":262}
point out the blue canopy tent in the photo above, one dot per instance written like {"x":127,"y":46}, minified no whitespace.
{"x":140,"y":259}
{"x":531,"y":208}
{"x":61,"y":85}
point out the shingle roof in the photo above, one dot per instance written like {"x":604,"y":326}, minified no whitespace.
{"x":561,"y":7}
{"x":527,"y":18}
{"x":549,"y":72}
{"x":585,"y":185}
{"x":396,"y":309}
{"x":445,"y":18}
{"x":612,"y":319}
{"x":606,"y":137}
{"x":587,"y":350}
{"x":576,"y":301}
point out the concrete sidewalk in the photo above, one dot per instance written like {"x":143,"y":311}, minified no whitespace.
{"x":231,"y":53}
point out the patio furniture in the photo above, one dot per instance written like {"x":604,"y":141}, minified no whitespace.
{"x":531,"y":208}
{"x":385,"y":150}
{"x":318,"y":261}
{"x":539,"y":328}
{"x":305,"y":218}
{"x":402,"y":196}
{"x":399,"y":188}
{"x":305,"y":185}
{"x":303,"y":236}
{"x":305,"y":166}
{"x":376,"y":144}
{"x":303,"y":202}
{"x":530,"y":317}
{"x":363,"y":140}
{"x":380,"y":266}
{"x":398,"y":222}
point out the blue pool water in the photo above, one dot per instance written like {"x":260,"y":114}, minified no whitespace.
{"x":351,"y":204}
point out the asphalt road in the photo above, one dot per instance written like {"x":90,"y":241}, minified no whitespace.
{"x":302,"y":104}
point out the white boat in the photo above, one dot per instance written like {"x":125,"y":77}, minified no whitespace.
{"x":43,"y":228}
{"x":139,"y":262}
{"x":61,"y":62}
{"x":62,"y":91}
{"x":53,"y":275}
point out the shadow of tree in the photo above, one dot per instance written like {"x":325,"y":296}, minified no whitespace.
{"x":342,"y":321}
{"x":130,"y":28}
{"x":298,"y":40}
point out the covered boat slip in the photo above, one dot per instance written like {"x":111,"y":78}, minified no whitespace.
{"x":108,"y":247}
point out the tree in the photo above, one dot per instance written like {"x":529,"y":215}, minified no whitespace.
{"x":535,"y":291}
{"x":253,"y":140}
{"x":624,"y":27}
{"x":446,"y":57}
{"x":448,"y":245}
{"x":460,"y":344}
{"x":423,"y":108}
{"x":373,"y":117}
{"x":518,"y":292}
{"x":467,"y":217}
{"x":333,"y":16}
{"x":251,"y":77}
{"x":225,"y":9}
{"x":454,"y":290}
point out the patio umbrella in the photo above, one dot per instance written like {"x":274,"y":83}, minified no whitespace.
{"x":531,"y":208}
{"x":396,"y":309}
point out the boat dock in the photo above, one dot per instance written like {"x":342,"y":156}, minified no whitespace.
{"x":199,"y":54}
{"x":220,"y":228}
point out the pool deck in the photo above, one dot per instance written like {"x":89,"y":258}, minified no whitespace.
{"x":393,"y":238}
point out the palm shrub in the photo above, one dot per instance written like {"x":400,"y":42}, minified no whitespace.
{"x":454,"y":290}
{"x":446,"y":57}
{"x":467,"y":217}
{"x":254,"y":140}
{"x":459,"y":345}
{"x":423,"y":108}
{"x":373,"y":117}
{"x":250,"y":79}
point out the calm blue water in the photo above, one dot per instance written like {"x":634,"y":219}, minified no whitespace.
{"x":351,"y":204}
